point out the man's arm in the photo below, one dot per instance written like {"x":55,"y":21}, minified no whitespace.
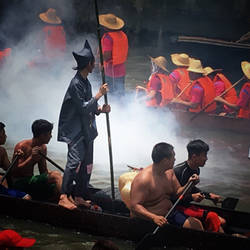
{"x":138,"y":194}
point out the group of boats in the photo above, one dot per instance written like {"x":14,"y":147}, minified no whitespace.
{"x":114,"y":221}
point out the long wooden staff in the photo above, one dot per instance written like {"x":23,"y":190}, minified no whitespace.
{"x":9,"y":169}
{"x":106,"y":102}
{"x":196,"y":114}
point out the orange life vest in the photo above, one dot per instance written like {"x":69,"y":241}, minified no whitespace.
{"x":120,"y":47}
{"x":245,"y":112}
{"x":209,"y":95}
{"x":4,"y":54}
{"x":55,"y":41}
{"x":167,"y":92}
{"x":184,"y":81}
{"x":231,"y":95}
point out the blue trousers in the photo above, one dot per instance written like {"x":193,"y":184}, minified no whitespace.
{"x":78,"y":168}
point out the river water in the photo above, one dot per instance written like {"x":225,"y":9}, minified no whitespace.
{"x":134,"y":131}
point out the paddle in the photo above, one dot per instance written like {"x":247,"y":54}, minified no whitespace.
{"x":106,"y":102}
{"x":204,"y":108}
{"x":52,"y":162}
{"x":148,"y":238}
{"x":9,"y":169}
{"x":227,"y":203}
{"x":180,"y":94}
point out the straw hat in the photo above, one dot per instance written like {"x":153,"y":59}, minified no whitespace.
{"x":245,"y":66}
{"x":161,"y":62}
{"x":50,"y":17}
{"x":111,"y":21}
{"x":195,"y":66}
{"x":180,"y":59}
{"x":209,"y":70}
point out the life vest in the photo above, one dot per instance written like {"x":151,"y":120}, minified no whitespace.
{"x":209,"y":95}
{"x":231,"y":95}
{"x":167,"y":92}
{"x":245,"y":112}
{"x":184,"y":81}
{"x":55,"y":41}
{"x":120,"y":47}
{"x":4,"y":54}
{"x":125,"y":181}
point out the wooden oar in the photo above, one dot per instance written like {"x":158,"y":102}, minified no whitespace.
{"x":106,"y":102}
{"x":180,"y":94}
{"x":227,"y":203}
{"x":9,"y":169}
{"x":52,"y":162}
{"x":148,"y":238}
{"x":196,"y":114}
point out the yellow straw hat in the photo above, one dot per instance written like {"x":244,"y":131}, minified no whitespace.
{"x":160,"y":61}
{"x":245,"y":66}
{"x":180,"y":59}
{"x":209,"y":70}
{"x":195,"y":66}
{"x":111,"y":21}
{"x":50,"y":17}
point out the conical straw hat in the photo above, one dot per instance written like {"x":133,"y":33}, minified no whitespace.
{"x":111,"y":21}
{"x":180,"y":59}
{"x":245,"y":66}
{"x":50,"y":17}
{"x":160,"y":61}
{"x":209,"y":70}
{"x":195,"y":66}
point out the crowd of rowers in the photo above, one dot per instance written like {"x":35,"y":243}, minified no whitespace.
{"x":148,"y":193}
{"x":195,"y":88}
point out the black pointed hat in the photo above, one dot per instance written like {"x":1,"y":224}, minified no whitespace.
{"x":83,"y":57}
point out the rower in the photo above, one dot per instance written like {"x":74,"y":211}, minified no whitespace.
{"x":5,"y":164}
{"x":243,"y":104}
{"x":159,"y":89}
{"x":201,"y":92}
{"x":197,"y":157}
{"x":46,"y":185}
{"x":221,"y":84}
{"x":180,"y":76}
{"x":152,"y":187}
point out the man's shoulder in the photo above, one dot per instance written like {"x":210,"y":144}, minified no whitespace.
{"x":24,"y":143}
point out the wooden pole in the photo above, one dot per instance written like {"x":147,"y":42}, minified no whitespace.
{"x":180,"y":94}
{"x":106,"y":102}
{"x":204,"y":108}
{"x":9,"y":169}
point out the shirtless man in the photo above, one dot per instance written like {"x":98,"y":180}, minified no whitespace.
{"x":152,"y":188}
{"x":47,"y":185}
{"x":4,"y":164}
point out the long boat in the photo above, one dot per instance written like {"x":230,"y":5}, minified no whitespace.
{"x":114,"y":221}
{"x":212,"y":122}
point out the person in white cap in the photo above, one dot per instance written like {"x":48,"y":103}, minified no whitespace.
{"x":243,"y":104}
{"x":115,"y":50}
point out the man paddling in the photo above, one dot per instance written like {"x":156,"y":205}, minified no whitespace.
{"x":5,"y":164}
{"x":46,"y":185}
{"x":243,"y":104}
{"x":197,"y":157}
{"x":77,"y":127}
{"x":153,"y":186}
{"x":201,"y":92}
{"x":159,"y":89}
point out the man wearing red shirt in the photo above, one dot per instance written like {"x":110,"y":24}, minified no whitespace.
{"x":115,"y":50}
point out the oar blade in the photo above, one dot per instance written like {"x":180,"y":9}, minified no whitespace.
{"x":229,"y":203}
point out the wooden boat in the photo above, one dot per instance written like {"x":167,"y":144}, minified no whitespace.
{"x":114,"y":221}
{"x":212,"y":122}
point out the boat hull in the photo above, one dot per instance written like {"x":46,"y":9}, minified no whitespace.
{"x":123,"y":227}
